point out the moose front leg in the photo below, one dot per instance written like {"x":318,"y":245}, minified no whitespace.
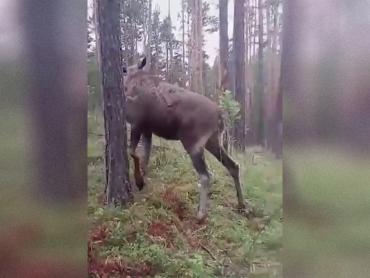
{"x":204,"y":178}
{"x":135,"y":137}
{"x":147,"y":143}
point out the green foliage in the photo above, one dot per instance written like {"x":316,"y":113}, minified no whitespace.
{"x":133,"y":19}
{"x":230,"y":106}
{"x":95,"y":97}
{"x":210,"y":23}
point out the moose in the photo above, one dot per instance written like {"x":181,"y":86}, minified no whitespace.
{"x":171,"y":112}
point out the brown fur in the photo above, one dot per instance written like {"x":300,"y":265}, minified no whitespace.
{"x":170,"y":111}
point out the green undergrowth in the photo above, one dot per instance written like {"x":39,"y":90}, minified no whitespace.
{"x":160,"y":229}
{"x":327,"y":223}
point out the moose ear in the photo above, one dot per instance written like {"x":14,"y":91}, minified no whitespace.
{"x":124,"y":69}
{"x":142,"y":63}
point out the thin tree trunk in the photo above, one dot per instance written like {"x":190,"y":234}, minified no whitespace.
{"x":246,"y":27}
{"x":148,"y":47}
{"x":170,"y":43}
{"x":277,"y":144}
{"x":167,"y":66}
{"x":183,"y":40}
{"x":168,"y":46}
{"x":275,"y":120}
{"x":239,"y":53}
{"x":196,"y":51}
{"x":270,"y":94}
{"x":254,"y":28}
{"x":189,"y":43}
{"x":224,"y":45}
{"x":96,"y":32}
{"x":250,"y":25}
{"x":247,"y":91}
{"x":118,"y":187}
{"x":260,"y":79}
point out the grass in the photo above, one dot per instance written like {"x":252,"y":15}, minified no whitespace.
{"x":327,"y":229}
{"x":158,"y":235}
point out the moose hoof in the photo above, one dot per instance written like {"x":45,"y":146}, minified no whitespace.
{"x":143,"y":171}
{"x":201,"y":217}
{"x":242,"y":207}
{"x":140,"y":184}
{"x":245,"y":209}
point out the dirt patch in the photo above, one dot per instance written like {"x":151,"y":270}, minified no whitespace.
{"x":113,"y":267}
{"x":186,"y":224}
{"x":160,"y":231}
{"x":99,"y":234}
{"x":131,"y":236}
{"x":194,"y":233}
{"x":158,"y":228}
{"x":116,"y":267}
{"x":173,"y":200}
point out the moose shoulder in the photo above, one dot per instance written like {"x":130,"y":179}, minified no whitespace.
{"x":171,"y":112}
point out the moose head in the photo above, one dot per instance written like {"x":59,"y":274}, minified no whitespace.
{"x":134,"y":68}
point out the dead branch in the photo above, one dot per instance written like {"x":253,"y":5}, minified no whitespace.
{"x":208,"y":251}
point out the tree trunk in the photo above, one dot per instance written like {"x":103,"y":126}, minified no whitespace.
{"x":254,"y":27}
{"x":171,"y":79}
{"x":260,"y":128}
{"x":189,"y":43}
{"x":57,"y":98}
{"x":183,"y":41}
{"x":247,"y":73}
{"x":270,"y":94}
{"x":292,"y":69}
{"x":250,"y":26}
{"x":196,"y":50}
{"x":118,"y":187}
{"x":224,"y":46}
{"x":277,"y":143}
{"x":148,"y":46}
{"x":239,"y":58}
{"x":276,"y":128}
{"x":167,"y":63}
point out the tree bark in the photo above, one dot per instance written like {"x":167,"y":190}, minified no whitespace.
{"x":239,"y":73}
{"x":224,"y":46}
{"x":254,"y":27}
{"x":247,"y":73}
{"x":270,"y":94}
{"x":277,"y":143}
{"x":196,"y":50}
{"x":148,"y":47}
{"x":260,"y":128}
{"x":276,"y":121}
{"x":189,"y":43}
{"x":183,"y":40}
{"x":118,"y":187}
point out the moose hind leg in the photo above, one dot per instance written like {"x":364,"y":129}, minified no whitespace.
{"x":213,"y":146}
{"x":201,"y":168}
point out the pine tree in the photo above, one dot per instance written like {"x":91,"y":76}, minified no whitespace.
{"x":239,"y":81}
{"x":118,"y":186}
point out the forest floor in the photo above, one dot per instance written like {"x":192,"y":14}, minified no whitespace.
{"x":158,"y":236}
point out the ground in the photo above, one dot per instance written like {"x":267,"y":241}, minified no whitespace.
{"x":158,"y":236}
